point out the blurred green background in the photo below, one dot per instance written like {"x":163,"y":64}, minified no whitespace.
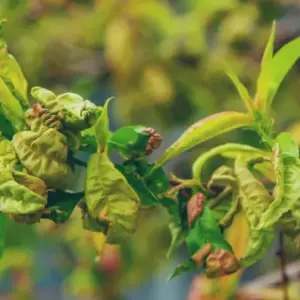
{"x":164,"y":62}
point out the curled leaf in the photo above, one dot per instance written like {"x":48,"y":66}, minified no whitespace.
{"x":17,"y":198}
{"x":110,"y":198}
{"x":230,"y":150}
{"x":44,"y":154}
{"x":255,"y":199}
{"x":287,"y":188}
{"x":77,"y":113}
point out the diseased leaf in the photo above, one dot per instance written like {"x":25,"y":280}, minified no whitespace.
{"x":7,"y":152}
{"x":287,"y":188}
{"x":226,"y":204}
{"x":243,"y":92}
{"x":204,"y":130}
{"x":44,"y":154}
{"x":259,"y":243}
{"x":16,"y":198}
{"x":76,"y":112}
{"x":255,"y":200}
{"x":102,"y":131}
{"x":61,"y":205}
{"x":110,"y":198}
{"x":12,"y":75}
{"x":229,"y":150}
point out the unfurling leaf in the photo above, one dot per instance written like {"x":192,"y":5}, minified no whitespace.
{"x":204,"y":130}
{"x":102,"y":131}
{"x":44,"y":154}
{"x":261,"y":100}
{"x":110,"y":198}
{"x":255,"y":200}
{"x":243,"y":92}
{"x":76,"y":112}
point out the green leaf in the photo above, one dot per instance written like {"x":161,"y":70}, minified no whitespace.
{"x":6,"y":126}
{"x":177,"y":236}
{"x":189,"y":265}
{"x":137,"y":182}
{"x":11,"y":74}
{"x":255,"y":200}
{"x":3,"y":220}
{"x":283,"y":61}
{"x":265,"y":73}
{"x":61,"y":205}
{"x":11,"y":108}
{"x":206,"y":230}
{"x":102,"y":131}
{"x":204,"y":130}
{"x":110,"y":198}
{"x":230,"y":150}
{"x":288,"y":148}
{"x":287,"y":189}
{"x":130,"y":141}
{"x":243,"y":92}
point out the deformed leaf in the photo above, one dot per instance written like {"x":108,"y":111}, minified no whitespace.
{"x":287,"y":189}
{"x":204,"y":130}
{"x":110,"y":198}
{"x":16,"y":198}
{"x":7,"y":152}
{"x":44,"y":154}
{"x":255,"y":200}
{"x":230,"y":150}
{"x":259,"y":243}
{"x":76,"y":112}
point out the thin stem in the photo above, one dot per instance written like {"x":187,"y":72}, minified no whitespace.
{"x":284,"y":276}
